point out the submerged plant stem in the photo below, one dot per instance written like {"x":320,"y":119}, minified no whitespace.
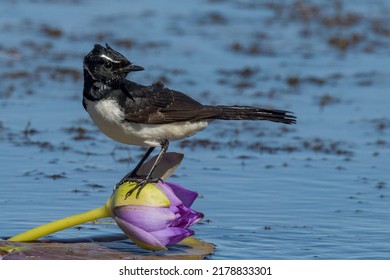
{"x":43,"y":230}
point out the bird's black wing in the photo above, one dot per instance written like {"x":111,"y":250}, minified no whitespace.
{"x":157,"y":104}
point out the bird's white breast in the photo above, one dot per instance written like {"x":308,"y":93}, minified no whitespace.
{"x":109,"y":118}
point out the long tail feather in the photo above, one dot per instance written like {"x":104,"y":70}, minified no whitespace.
{"x":255,"y":113}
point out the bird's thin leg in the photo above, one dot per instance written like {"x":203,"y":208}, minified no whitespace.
{"x":140,"y":185}
{"x":164,"y":148}
{"x":133,"y":174}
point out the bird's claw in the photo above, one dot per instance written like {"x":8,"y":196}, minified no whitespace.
{"x":140,"y":184}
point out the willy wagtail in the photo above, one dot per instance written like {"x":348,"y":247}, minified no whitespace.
{"x":153,"y":115}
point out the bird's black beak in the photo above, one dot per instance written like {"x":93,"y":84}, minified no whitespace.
{"x":131,"y":68}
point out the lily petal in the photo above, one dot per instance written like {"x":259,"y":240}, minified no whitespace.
{"x":187,"y":217}
{"x":172,"y":235}
{"x":145,"y":217}
{"x":185,"y":195}
{"x":175,"y":201}
{"x":140,"y":237}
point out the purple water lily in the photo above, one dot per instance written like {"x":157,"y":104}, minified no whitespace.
{"x":160,"y":217}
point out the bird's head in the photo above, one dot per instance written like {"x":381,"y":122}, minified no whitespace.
{"x":106,"y":64}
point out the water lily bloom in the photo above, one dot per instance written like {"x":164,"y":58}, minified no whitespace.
{"x":159,"y":217}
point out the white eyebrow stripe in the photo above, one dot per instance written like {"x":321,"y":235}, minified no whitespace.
{"x":87,"y":69}
{"x":109,"y":58}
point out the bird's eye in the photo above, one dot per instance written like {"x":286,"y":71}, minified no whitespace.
{"x":108,"y":65}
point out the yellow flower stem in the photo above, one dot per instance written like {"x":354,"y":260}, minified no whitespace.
{"x":38,"y":232}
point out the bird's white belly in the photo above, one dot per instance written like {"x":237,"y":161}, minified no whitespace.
{"x":108,"y":117}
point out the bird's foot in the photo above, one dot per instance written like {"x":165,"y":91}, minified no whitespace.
{"x":139,"y":186}
{"x":141,"y":182}
{"x":128,"y":178}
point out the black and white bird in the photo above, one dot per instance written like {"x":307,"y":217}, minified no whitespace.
{"x":153,"y":115}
